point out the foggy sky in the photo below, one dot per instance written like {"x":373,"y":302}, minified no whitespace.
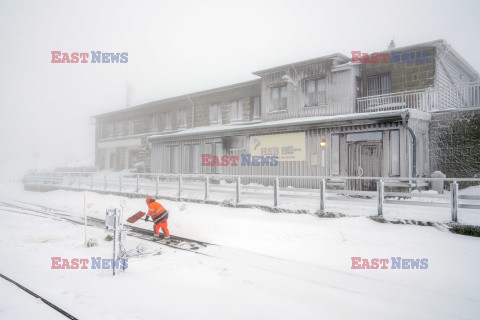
{"x":177,"y":47}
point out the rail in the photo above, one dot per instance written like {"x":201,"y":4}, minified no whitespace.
{"x":430,"y":99}
{"x":274,"y":191}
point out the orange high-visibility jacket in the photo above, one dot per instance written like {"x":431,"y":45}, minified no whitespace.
{"x":157,"y":211}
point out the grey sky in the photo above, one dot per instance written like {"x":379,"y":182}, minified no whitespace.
{"x":176,"y":47}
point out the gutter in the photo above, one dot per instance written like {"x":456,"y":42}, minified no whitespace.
{"x":414,"y":143}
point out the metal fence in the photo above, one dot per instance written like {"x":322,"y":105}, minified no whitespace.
{"x":274,"y":193}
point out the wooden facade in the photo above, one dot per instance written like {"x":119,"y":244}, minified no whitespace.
{"x":317,"y":98}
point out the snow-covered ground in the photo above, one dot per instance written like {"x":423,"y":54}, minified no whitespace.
{"x":268,"y":266}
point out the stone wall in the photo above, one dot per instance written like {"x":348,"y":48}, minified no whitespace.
{"x":405,"y":76}
{"x":455,"y":143}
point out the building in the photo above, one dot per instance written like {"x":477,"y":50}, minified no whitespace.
{"x":374,"y":116}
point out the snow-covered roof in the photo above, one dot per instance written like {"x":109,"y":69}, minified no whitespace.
{"x":183,"y":97}
{"x":337,"y":56}
{"x":230,"y":128}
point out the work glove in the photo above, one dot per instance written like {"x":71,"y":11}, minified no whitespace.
{"x":146,"y":217}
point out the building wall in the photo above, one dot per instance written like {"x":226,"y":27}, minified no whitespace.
{"x":454,"y":143}
{"x":340,"y":91}
{"x":313,"y":164}
{"x":404,"y":76}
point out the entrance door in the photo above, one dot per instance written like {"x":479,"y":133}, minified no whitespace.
{"x":364,"y":160}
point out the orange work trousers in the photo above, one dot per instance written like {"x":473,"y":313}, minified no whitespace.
{"x":163,"y":225}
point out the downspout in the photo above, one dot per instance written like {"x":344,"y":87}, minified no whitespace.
{"x":414,"y":143}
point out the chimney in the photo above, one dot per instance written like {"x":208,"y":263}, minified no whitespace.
{"x":392,"y":45}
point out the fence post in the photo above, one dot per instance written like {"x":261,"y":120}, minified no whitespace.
{"x":91,"y":181}
{"x":323,"y":185}
{"x":120,"y":183}
{"x":105,"y":178}
{"x":156,"y":185}
{"x":180,"y":178}
{"x":137,"y":183}
{"x":275,"y":192}
{"x":380,"y":197}
{"x":207,"y":187}
{"x":454,"y":200}
{"x":237,"y":190}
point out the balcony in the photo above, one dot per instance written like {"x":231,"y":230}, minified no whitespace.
{"x":431,"y":99}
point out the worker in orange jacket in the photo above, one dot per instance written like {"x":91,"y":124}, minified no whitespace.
{"x":159,"y":216}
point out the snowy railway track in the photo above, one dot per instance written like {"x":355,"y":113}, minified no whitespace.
{"x":48,"y":303}
{"x":63,"y":215}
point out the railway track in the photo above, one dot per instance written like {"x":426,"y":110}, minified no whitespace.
{"x":63,"y":215}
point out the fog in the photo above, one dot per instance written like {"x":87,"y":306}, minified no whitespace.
{"x":177,"y":47}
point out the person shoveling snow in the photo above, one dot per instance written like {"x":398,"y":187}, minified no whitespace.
{"x":159,"y":216}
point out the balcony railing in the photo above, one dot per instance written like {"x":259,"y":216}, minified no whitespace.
{"x":431,"y":99}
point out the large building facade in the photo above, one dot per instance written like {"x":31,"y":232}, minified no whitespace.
{"x":329,"y":116}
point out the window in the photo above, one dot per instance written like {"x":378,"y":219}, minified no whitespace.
{"x":335,"y":154}
{"x":255,"y":108}
{"x":182,"y":118}
{"x":394,"y":152}
{"x":215,"y":114}
{"x":186,"y":159}
{"x":196,"y":158}
{"x":154,"y":123}
{"x":236,"y":111}
{"x":167,"y":121}
{"x":279,"y":98}
{"x":130,"y":127}
{"x":119,"y":128}
{"x":315,"y":92}
{"x":110,"y":129}
{"x":377,"y":85}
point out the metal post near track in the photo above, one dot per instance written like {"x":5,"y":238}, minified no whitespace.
{"x":207,"y":187}
{"x":180,"y":181}
{"x":275,"y":192}
{"x":454,"y":200}
{"x":380,"y":187}
{"x":237,"y":193}
{"x":323,"y":184}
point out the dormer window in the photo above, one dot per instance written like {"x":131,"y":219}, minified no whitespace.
{"x":167,"y":121}
{"x":119,"y":128}
{"x":182,"y":118}
{"x":278,"y":97}
{"x":110,"y":129}
{"x":236,"y":111}
{"x":315,"y":92}
{"x":255,"y":108}
{"x":130,"y":127}
{"x":215,"y":114}
{"x":154,"y":123}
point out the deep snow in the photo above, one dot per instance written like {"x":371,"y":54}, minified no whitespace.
{"x":269,"y":266}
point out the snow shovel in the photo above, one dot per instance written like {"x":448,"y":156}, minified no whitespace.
{"x":137,"y":216}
